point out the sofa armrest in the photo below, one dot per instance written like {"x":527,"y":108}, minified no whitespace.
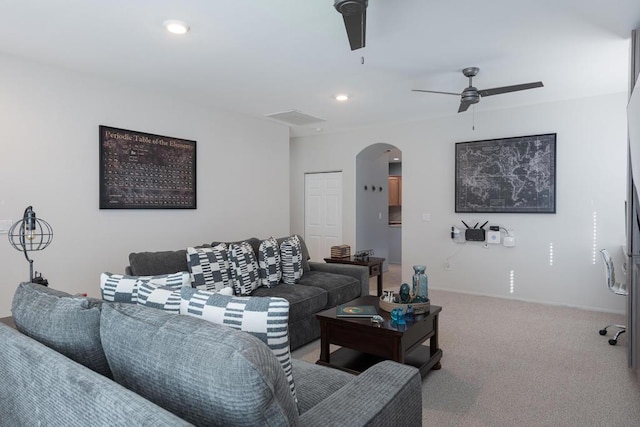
{"x":358,"y":272}
{"x":388,"y":393}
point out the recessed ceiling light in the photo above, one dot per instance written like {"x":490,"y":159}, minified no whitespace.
{"x":395,"y":159}
{"x":342,"y":97}
{"x":176,"y":27}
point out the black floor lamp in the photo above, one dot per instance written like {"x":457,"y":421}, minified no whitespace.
{"x":31,"y":234}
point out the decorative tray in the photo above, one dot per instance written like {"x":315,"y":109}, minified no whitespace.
{"x":418,"y":307}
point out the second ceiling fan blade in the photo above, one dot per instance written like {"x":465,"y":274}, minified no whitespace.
{"x":507,"y":89}
{"x":464,"y":106}
{"x":435,"y":91}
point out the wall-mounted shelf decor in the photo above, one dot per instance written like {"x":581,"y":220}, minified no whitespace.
{"x":145,"y":171}
{"x":508,"y":175}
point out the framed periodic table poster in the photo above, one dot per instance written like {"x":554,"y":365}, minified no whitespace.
{"x":146,"y":171}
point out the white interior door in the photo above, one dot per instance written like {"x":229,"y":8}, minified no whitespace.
{"x":322,"y":213}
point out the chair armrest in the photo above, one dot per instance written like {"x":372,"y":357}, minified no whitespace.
{"x":386,"y":394}
{"x":358,"y":272}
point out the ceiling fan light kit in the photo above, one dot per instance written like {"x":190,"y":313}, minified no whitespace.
{"x":471,"y":95}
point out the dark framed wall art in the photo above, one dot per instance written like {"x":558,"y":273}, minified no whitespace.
{"x":144,"y":171}
{"x":508,"y":175}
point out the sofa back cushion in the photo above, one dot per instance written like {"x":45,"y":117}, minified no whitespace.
{"x":155,"y":263}
{"x":68,"y":324}
{"x":206,"y":374}
{"x":263,"y":317}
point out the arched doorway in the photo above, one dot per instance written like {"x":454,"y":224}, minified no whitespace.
{"x":379,"y":207}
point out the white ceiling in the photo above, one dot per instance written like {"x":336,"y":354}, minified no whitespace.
{"x":260,"y":57}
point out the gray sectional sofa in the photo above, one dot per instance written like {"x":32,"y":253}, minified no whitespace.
{"x":322,"y":285}
{"x":165,"y":369}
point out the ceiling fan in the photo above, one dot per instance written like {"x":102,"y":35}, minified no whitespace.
{"x":354,"y":13}
{"x":471,"y":95}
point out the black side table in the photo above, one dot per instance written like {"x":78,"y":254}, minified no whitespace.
{"x":374,"y":264}
{"x":8,"y":321}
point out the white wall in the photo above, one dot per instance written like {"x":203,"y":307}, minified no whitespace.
{"x":591,"y":174}
{"x":49,"y":159}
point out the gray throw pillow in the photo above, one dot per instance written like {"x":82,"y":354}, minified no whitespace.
{"x":204,"y":373}
{"x":68,"y":324}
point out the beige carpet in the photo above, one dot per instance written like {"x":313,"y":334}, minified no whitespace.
{"x":510,"y":363}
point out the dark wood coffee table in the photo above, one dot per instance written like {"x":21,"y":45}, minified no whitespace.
{"x":364,"y":344}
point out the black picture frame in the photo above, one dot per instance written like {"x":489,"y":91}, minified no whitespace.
{"x":506,"y":175}
{"x":141,"y":170}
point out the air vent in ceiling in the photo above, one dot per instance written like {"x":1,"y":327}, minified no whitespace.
{"x":295,"y":118}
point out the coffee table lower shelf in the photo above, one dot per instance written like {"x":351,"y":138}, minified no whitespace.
{"x":355,"y":362}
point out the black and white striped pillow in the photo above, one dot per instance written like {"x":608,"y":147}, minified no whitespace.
{"x":263,"y":317}
{"x":166,"y":298}
{"x":123,"y":288}
{"x":244,"y":268}
{"x":291,"y":260}
{"x":209,"y":267}
{"x":269,"y":263}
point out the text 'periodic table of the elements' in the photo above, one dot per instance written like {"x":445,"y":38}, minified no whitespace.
{"x":146,"y":171}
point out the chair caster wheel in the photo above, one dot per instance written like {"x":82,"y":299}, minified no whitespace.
{"x":603,"y":332}
{"x":613,"y":342}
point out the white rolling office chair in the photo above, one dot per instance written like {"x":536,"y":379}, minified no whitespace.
{"x":616,"y":288}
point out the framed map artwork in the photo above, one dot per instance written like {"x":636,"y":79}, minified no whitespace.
{"x":145,"y":171}
{"x":509,"y":175}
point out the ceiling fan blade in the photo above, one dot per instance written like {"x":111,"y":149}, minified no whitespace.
{"x":464,"y":106}
{"x":354,"y":14}
{"x":435,"y":91}
{"x":507,"y":89}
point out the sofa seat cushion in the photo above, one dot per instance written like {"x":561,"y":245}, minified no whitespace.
{"x":304,"y":301}
{"x":340,"y":289}
{"x":206,"y":374}
{"x":68,"y":324}
{"x":317,"y":383}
